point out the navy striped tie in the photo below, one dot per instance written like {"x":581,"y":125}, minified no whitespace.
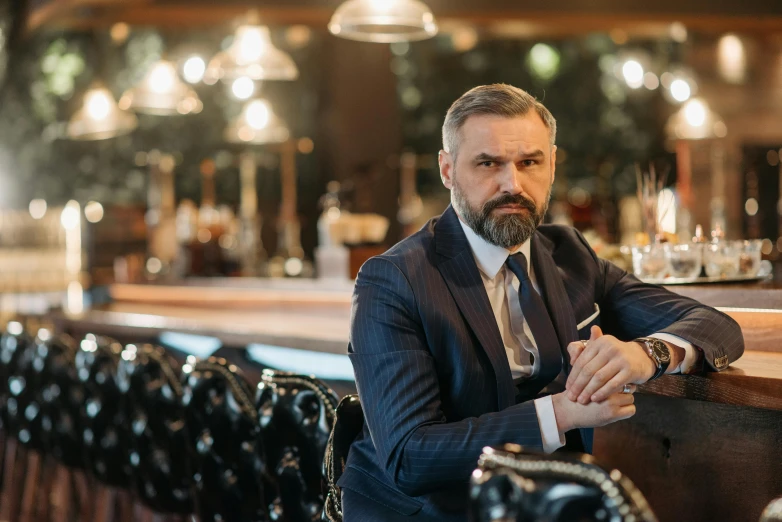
{"x":539,"y":321}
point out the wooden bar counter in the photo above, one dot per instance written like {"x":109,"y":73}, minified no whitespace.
{"x":702,"y":448}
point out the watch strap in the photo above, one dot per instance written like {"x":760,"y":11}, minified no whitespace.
{"x":662,"y":366}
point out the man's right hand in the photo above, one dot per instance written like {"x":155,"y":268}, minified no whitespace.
{"x":571,"y":415}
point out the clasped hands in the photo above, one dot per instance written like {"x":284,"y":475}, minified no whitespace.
{"x":601,"y":368}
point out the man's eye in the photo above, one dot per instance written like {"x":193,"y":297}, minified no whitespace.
{"x":486,"y":164}
{"x":529,"y":163}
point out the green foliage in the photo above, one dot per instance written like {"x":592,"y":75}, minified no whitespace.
{"x":604,"y":127}
{"x":55,"y":70}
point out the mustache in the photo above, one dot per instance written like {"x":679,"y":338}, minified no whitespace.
{"x":509,"y":199}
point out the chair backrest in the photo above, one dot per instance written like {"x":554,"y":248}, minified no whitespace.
{"x":14,"y":342}
{"x":511,"y":484}
{"x":38,"y":416}
{"x":348,"y":424}
{"x":22,"y":412}
{"x":296,"y":414}
{"x":61,"y":398}
{"x":104,"y":422}
{"x":229,"y":470}
{"x":160,"y":453}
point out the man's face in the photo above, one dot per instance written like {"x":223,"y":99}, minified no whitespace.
{"x":501,"y":179}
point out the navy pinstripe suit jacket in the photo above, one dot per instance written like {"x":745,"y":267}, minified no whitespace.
{"x":432,"y":372}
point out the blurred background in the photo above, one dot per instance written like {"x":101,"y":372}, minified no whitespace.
{"x":164,"y":141}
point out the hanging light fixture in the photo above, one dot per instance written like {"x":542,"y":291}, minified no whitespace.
{"x":100,"y":118}
{"x":257,"y":124}
{"x":252,"y":54}
{"x":383,"y":21}
{"x":161,"y":93}
{"x":695,"y":121}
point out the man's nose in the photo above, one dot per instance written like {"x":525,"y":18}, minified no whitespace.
{"x":511,"y":180}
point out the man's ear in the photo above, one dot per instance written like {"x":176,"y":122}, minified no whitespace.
{"x":553,"y":162}
{"x":446,"y":169}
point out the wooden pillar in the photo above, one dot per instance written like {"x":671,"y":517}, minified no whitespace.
{"x":361,"y":124}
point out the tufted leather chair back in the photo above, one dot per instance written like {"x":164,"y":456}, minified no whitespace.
{"x":512,"y":485}
{"x":229,"y":469}
{"x":160,"y":455}
{"x":104,"y":424}
{"x":296,"y":414}
{"x":15,"y":344}
{"x":348,"y":424}
{"x":61,"y":396}
{"x":43,"y":371}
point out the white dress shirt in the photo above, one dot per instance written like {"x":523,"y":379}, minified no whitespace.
{"x":502,"y":287}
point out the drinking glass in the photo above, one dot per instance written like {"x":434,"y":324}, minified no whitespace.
{"x":684,"y":260}
{"x":722,"y":259}
{"x":649,"y":262}
{"x":749,"y":257}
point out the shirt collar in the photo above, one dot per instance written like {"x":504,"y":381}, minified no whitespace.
{"x":490,"y":258}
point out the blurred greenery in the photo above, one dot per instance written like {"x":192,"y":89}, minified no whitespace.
{"x":56,"y":69}
{"x":604,"y":127}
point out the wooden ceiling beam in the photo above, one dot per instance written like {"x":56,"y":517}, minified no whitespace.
{"x":98,"y":13}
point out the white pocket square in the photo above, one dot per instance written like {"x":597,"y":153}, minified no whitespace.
{"x":589,"y":319}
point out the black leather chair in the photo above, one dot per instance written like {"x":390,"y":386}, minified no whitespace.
{"x":14,"y":342}
{"x":296,"y":414}
{"x":160,"y":454}
{"x":348,"y":424}
{"x":229,"y":470}
{"x":513,"y":485}
{"x":17,"y":348}
{"x":105,"y":427}
{"x":103,"y":415}
{"x":30,"y":422}
{"x":61,"y":397}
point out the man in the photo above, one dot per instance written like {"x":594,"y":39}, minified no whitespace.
{"x":466,"y":334}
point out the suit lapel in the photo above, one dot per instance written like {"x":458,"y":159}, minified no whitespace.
{"x":554,"y":295}
{"x":461,"y":274}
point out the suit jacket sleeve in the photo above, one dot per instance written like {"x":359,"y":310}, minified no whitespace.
{"x":633,"y":309}
{"x":398,"y":384}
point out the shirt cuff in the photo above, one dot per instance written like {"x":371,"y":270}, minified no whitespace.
{"x":549,"y":432}
{"x":690,"y":352}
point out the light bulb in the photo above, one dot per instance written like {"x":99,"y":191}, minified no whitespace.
{"x":258,"y":114}
{"x":98,"y":104}
{"x":695,"y":113}
{"x":194,"y":69}
{"x":680,"y":90}
{"x":162,"y":77}
{"x":633,"y":73}
{"x":69,"y":219}
{"x":243,"y":88}
{"x":252,"y":43}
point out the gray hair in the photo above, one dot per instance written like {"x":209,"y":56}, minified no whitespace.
{"x":498,"y":99}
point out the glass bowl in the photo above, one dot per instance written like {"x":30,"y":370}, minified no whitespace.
{"x":649,"y":262}
{"x":749,"y":257}
{"x":685,"y":260}
{"x":722,"y":259}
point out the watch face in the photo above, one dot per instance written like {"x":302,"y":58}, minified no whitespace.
{"x":661,"y":351}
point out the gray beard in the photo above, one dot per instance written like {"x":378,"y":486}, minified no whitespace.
{"x":504,"y":230}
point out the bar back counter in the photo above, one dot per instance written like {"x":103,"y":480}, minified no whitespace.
{"x":701,"y":448}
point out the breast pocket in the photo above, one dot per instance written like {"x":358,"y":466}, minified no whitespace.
{"x":586,"y":323}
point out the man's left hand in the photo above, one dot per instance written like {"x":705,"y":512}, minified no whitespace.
{"x":604,"y":366}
